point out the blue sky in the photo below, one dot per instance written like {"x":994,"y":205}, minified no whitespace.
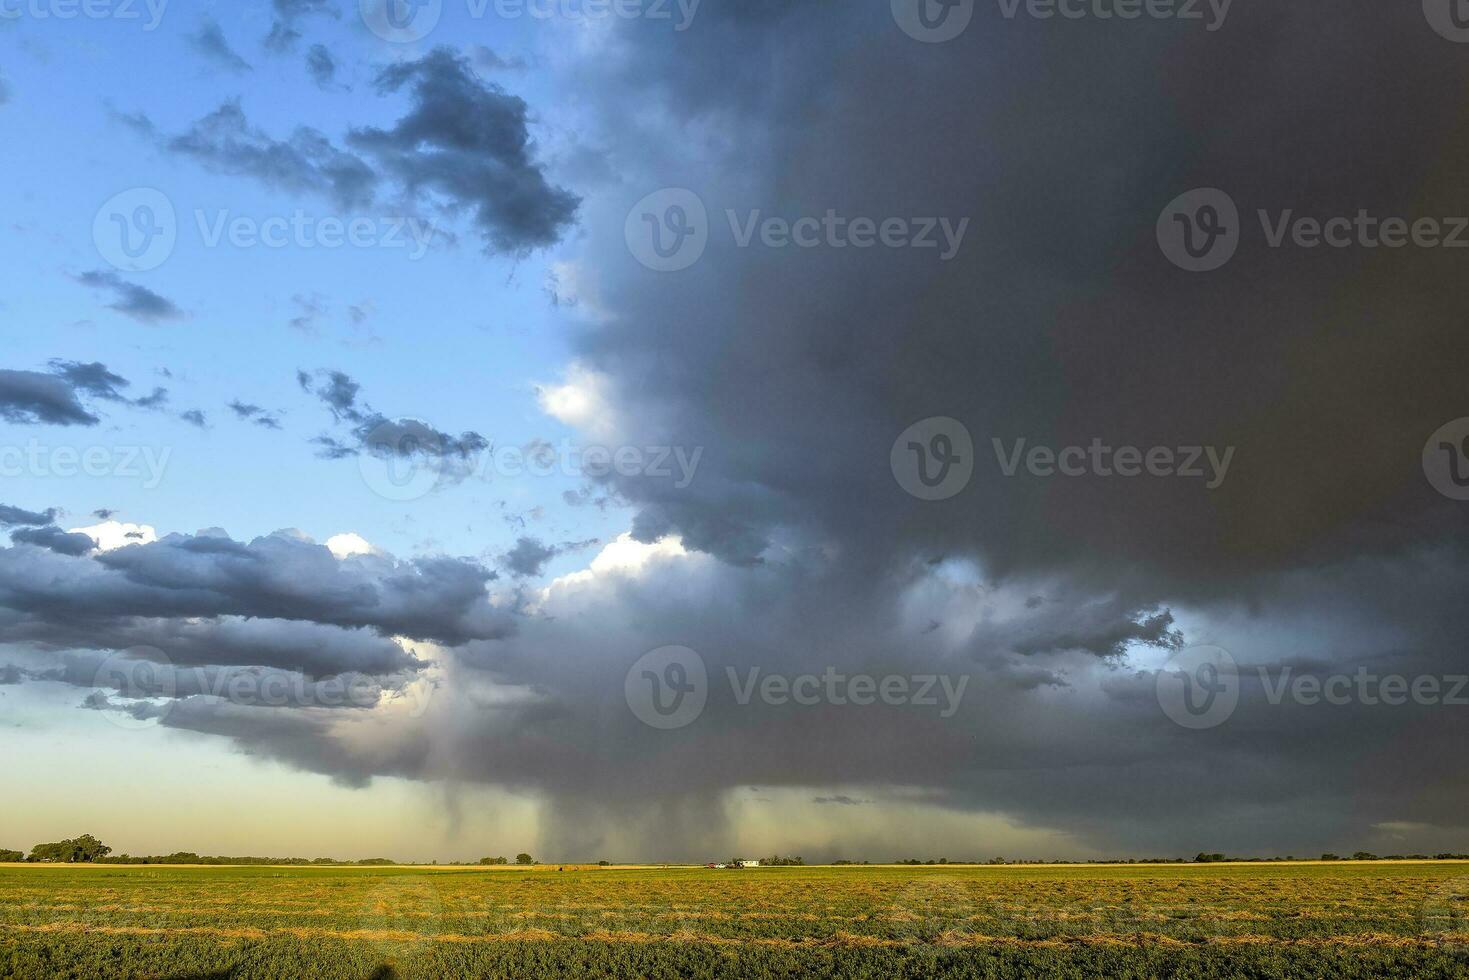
{"x":235,"y":339}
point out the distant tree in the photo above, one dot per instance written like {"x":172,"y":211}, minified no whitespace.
{"x":11,"y":857}
{"x":604,"y":864}
{"x":1203,"y":858}
{"x":524,"y":858}
{"x":85,"y":848}
{"x":494,"y":860}
{"x":1364,"y":856}
{"x":1331,"y":857}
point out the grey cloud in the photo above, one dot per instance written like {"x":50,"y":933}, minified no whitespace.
{"x":371,"y":432}
{"x":486,"y":59}
{"x":29,"y":397}
{"x":530,"y":556}
{"x":195,"y":417}
{"x":224,"y":141}
{"x":210,"y":41}
{"x":254,"y":414}
{"x":283,"y":33}
{"x":13,"y":516}
{"x":138,"y":302}
{"x":465,"y":144}
{"x":467,"y":140}
{"x":55,"y":539}
{"x":321,"y":65}
{"x":282,"y":576}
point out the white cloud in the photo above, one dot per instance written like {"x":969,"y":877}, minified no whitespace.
{"x":583,"y":401}
{"x":350,"y":543}
{"x":111,"y":535}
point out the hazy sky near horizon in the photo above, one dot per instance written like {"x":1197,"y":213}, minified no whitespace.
{"x":461,"y":428}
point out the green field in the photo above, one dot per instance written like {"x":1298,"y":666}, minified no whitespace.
{"x":1258,"y":920}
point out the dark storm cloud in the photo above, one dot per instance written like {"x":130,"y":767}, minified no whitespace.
{"x":130,"y":299}
{"x":467,"y":141}
{"x":210,"y":41}
{"x":321,"y":65}
{"x":1059,"y":320}
{"x":14,"y":516}
{"x":55,"y":539}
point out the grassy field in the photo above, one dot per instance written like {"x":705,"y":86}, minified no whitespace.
{"x":1257,"y":920}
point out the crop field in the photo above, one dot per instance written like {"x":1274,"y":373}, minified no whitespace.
{"x":1259,"y":920}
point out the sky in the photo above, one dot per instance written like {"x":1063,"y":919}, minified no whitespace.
{"x":663,"y":430}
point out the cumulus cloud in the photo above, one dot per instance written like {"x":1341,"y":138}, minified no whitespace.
{"x":55,"y":539}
